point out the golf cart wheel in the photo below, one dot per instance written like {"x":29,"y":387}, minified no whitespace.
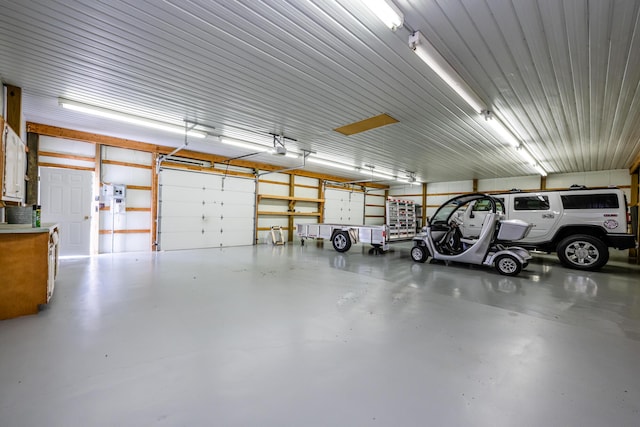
{"x":508,"y":265}
{"x":341,"y":241}
{"x":419,"y":254}
{"x":583,"y":252}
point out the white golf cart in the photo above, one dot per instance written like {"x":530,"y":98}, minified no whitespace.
{"x":442,"y":238}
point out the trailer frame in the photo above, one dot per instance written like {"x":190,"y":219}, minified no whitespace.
{"x":343,"y":236}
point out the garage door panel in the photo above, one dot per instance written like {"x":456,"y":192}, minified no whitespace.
{"x":197,"y":210}
{"x":344,"y":207}
{"x":181,"y":194}
{"x":182,"y":209}
{"x":243,"y":185}
{"x":180,"y":224}
{"x":236,"y":238}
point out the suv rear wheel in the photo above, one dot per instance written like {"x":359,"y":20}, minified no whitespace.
{"x":583,"y":252}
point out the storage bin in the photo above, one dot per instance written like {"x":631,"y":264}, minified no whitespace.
{"x":19,"y":214}
{"x":513,"y":229}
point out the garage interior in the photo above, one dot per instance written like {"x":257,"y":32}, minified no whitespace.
{"x":179,"y":146}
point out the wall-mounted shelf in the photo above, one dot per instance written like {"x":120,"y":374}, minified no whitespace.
{"x":273,"y":213}
{"x":290,"y":198}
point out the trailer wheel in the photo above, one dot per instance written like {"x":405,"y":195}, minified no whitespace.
{"x":508,"y":265}
{"x":419,"y":254}
{"x":341,"y":241}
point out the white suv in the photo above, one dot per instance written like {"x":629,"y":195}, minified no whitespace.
{"x":579,"y":224}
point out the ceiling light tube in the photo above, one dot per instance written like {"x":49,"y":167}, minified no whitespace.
{"x":330,"y":163}
{"x":387,"y":12}
{"x":428,"y":53}
{"x":502,"y":131}
{"x":370,"y":172}
{"x":525,"y":155}
{"x":540,"y":170}
{"x":244,"y":144}
{"x":127,"y":118}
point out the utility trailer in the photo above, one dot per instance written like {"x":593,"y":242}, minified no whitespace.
{"x":343,"y":236}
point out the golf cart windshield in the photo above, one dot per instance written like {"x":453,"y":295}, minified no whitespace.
{"x":446,"y":211}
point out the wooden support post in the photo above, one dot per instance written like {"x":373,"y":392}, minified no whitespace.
{"x":634,"y":203}
{"x":154,"y":203}
{"x":292,"y":206}
{"x":424,"y":204}
{"x":32,"y":169}
{"x":14,"y":109}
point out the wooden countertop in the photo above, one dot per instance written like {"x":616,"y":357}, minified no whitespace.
{"x":26,"y":228}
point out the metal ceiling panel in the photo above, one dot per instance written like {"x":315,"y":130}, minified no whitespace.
{"x":563,"y":75}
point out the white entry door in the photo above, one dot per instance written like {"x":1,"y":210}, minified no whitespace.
{"x":65,"y":197}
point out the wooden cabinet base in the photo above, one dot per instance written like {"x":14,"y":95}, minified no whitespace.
{"x":24,"y":272}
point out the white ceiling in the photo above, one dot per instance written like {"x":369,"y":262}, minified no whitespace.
{"x":565,"y":75}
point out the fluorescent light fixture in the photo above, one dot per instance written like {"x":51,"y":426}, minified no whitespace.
{"x":387,"y":12}
{"x":244,"y":144}
{"x":370,"y":172}
{"x":500,"y":129}
{"x":428,"y":53}
{"x":292,"y":155}
{"x":540,"y":170}
{"x":127,"y":118}
{"x":330,"y":163}
{"x":524,"y":155}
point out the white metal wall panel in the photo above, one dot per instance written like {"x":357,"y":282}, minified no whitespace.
{"x":618,"y":177}
{"x":530,"y":182}
{"x":449,"y":187}
{"x":343,"y":206}
{"x":127,"y":155}
{"x":200,"y":210}
{"x":66,"y":146}
{"x":118,"y":174}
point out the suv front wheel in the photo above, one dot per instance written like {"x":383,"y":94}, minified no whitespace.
{"x":583,"y":252}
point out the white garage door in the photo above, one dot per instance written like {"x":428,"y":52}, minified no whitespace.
{"x":201,"y":210}
{"x":343,"y":207}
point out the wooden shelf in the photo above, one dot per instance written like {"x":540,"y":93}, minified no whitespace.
{"x":271,"y":213}
{"x":290,"y":198}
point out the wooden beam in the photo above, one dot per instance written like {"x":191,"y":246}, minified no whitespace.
{"x":56,"y":165}
{"x":14,"y":109}
{"x":143,"y":146}
{"x":139,"y":187}
{"x":1,"y":155}
{"x":32,"y":169}
{"x":292,"y":205}
{"x":273,"y":213}
{"x":154,"y":205}
{"x":64,"y":156}
{"x":297,"y":199}
{"x":635,"y":166}
{"x":126,"y":164}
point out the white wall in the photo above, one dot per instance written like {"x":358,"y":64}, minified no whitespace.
{"x":440,"y":192}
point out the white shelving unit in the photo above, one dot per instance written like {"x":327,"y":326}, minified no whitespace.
{"x":401,"y":219}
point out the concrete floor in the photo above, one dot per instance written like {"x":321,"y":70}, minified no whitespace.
{"x":305,"y":336}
